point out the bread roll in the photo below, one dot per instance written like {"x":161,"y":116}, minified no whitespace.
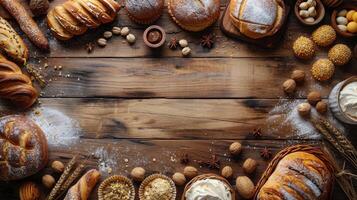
{"x":68,"y":22}
{"x":23,"y":148}
{"x":298,"y":175}
{"x":82,"y":189}
{"x":81,"y":14}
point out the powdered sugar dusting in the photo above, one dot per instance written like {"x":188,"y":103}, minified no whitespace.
{"x":59,"y":129}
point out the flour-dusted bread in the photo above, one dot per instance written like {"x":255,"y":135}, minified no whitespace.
{"x":144,"y":12}
{"x":257,"y":18}
{"x":23,"y":148}
{"x":299,"y":175}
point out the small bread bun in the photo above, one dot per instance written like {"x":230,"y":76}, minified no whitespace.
{"x":144,"y":12}
{"x":304,"y":48}
{"x":340,"y":54}
{"x":323,"y":69}
{"x":324,"y":36}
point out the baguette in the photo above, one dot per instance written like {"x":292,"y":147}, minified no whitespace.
{"x":27,"y":24}
{"x":82,"y":189}
{"x":11,"y":43}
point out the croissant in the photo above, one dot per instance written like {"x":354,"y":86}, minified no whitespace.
{"x":16,"y":86}
{"x":11,"y":43}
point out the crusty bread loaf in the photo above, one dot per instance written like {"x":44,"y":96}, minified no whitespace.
{"x":257,"y":18}
{"x":23,"y":148}
{"x":11,"y":43}
{"x":299,"y":175}
{"x":74,"y":17}
{"x":16,"y":86}
{"x":82,"y":189}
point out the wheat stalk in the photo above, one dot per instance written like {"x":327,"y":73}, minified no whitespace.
{"x":73,"y":177}
{"x":62,"y":179}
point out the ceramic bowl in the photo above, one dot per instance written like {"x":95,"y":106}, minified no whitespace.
{"x":334,"y":22}
{"x":320,"y":10}
{"x":156,"y":44}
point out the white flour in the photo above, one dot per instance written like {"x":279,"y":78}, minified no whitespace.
{"x":60,"y":130}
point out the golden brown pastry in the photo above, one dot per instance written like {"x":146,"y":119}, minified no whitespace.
{"x":194,"y":15}
{"x":82,"y":189}
{"x":68,"y":22}
{"x":16,"y":86}
{"x":27,"y":24}
{"x":23,"y":148}
{"x":257,"y":18}
{"x":81,"y":14}
{"x":97,"y":9}
{"x":11,"y":43}
{"x":144,"y":12}
{"x":299,"y":175}
{"x":112,"y":6}
{"x":56,"y":28}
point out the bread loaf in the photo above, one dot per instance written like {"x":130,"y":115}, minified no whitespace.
{"x":257,"y":18}
{"x":16,"y":86}
{"x":299,"y":175}
{"x":11,"y":43}
{"x":82,"y":189}
{"x":23,"y":148}
{"x":74,"y":17}
{"x":26,"y":23}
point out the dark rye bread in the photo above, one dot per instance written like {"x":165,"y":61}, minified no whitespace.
{"x":144,"y":12}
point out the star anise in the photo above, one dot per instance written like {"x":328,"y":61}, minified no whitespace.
{"x":208,"y":40}
{"x":265,"y":153}
{"x":89,"y":47}
{"x":213,"y":163}
{"x":257,"y":132}
{"x":173,"y":43}
{"x":184,"y":159}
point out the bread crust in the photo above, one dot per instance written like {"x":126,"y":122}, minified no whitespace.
{"x":68,"y":22}
{"x":23,"y":148}
{"x":81,"y":14}
{"x":144,"y":12}
{"x":97,"y":9}
{"x":56,"y":28}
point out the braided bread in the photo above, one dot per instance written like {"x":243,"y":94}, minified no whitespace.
{"x":16,"y":86}
{"x":23,"y":148}
{"x":82,"y":189}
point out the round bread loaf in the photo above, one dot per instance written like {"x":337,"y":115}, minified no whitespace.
{"x":194,"y":15}
{"x":144,"y":12}
{"x":257,"y":18}
{"x":23,"y":148}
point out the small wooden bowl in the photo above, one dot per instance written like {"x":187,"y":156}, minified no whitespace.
{"x":320,"y":10}
{"x":349,"y":6}
{"x":158,"y":44}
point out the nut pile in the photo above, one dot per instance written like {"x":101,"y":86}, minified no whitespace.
{"x":124,"y":32}
{"x":307,"y":10}
{"x":347,"y":21}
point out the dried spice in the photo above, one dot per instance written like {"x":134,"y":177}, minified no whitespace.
{"x":265,"y":153}
{"x":90,"y":47}
{"x":208,"y":40}
{"x":173,"y":44}
{"x":213,"y":163}
{"x":184,"y":159}
{"x":257,"y":132}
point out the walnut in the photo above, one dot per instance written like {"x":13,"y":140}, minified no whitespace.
{"x":249,"y":166}
{"x":314,"y":97}
{"x":57,"y":166}
{"x":102,"y":42}
{"x":186,"y":51}
{"x":124,"y":31}
{"x":190,"y":172}
{"x":179,"y":178}
{"x":289,"y":86}
{"x":298,"y":76}
{"x":304,"y":109}
{"x":39,"y":7}
{"x":227,"y":172}
{"x":235,"y":148}
{"x":321,"y":107}
{"x":130,"y":38}
{"x":48,"y":181}
{"x":29,"y":191}
{"x":183,"y":43}
{"x":245,"y":187}
{"x":138,"y":173}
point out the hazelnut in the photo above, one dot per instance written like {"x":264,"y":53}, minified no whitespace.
{"x":131,"y":38}
{"x":138,"y":174}
{"x":102,"y":42}
{"x":314,"y":97}
{"x":48,"y":181}
{"x":190,"y":172}
{"x":124,"y":31}
{"x":29,"y":191}
{"x":245,"y":187}
{"x":186,"y":51}
{"x":249,"y":166}
{"x":183,"y":43}
{"x":116,"y":30}
{"x":179,"y":178}
{"x":227,"y":172}
{"x":289,"y":86}
{"x":298,"y":76}
{"x":57,"y":166}
{"x":235,"y":148}
{"x":321,"y":107}
{"x":107,"y":34}
{"x":304,"y":109}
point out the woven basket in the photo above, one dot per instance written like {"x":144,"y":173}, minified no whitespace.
{"x":111,"y":179}
{"x":316,"y":151}
{"x":152,"y":177}
{"x":208,"y":176}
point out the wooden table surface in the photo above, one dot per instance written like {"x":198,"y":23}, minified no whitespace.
{"x":144,"y":108}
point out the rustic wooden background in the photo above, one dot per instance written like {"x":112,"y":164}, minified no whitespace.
{"x":152,"y":105}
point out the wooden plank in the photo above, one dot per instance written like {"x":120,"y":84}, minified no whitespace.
{"x":174,"y":118}
{"x":180,"y":77}
{"x":159,"y":156}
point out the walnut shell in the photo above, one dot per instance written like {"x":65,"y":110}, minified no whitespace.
{"x":298,"y":76}
{"x":235,"y":148}
{"x":227,"y":172}
{"x":138,"y":173}
{"x":190,"y":172}
{"x":245,"y":187}
{"x":29,"y":191}
{"x":249,"y":166}
{"x":39,"y":7}
{"x":179,"y":178}
{"x":57,"y":166}
{"x":48,"y":181}
{"x":289,"y":86}
{"x":321,"y":107}
{"x":314,"y":97}
{"x":304,"y":109}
